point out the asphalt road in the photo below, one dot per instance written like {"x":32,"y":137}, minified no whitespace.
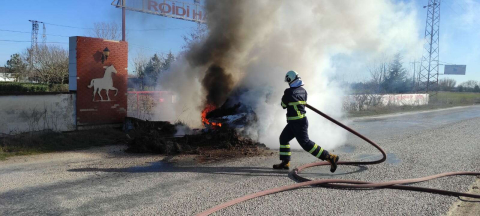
{"x":106,"y":181}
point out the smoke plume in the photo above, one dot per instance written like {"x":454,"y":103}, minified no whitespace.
{"x":218,"y":85}
{"x":252,"y":44}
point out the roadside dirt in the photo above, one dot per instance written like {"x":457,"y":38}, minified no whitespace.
{"x":465,"y":205}
{"x":205,"y":156}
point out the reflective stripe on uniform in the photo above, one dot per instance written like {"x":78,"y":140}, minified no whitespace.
{"x":283,"y":105}
{"x":297,"y":103}
{"x":284,"y":146}
{"x":319,"y":153}
{"x":296,"y":117}
{"x":294,"y":104}
{"x":286,"y":153}
{"x":313,"y":149}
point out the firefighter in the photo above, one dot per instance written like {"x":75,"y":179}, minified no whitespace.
{"x":294,"y":100}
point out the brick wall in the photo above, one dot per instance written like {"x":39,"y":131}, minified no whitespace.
{"x":89,"y":66}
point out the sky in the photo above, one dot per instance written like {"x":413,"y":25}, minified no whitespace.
{"x":148,"y":34}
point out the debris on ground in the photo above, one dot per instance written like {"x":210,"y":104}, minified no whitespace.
{"x":211,"y":144}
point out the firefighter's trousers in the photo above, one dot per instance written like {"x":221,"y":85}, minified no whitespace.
{"x":299,"y":129}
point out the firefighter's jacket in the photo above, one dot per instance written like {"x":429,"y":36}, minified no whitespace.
{"x":294,"y":100}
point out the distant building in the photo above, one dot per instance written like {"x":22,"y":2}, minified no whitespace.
{"x":5,"y":76}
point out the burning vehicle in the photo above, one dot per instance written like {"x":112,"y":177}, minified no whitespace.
{"x":230,"y":114}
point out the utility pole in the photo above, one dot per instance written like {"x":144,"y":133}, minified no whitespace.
{"x":123,"y":15}
{"x":123,"y":20}
{"x":414,"y":77}
{"x":44,"y":36}
{"x":429,"y":64}
{"x":34,"y":45}
{"x":34,"y":34}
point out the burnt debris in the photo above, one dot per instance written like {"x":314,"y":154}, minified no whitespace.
{"x":159,"y":137}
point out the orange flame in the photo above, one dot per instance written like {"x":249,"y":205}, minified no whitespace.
{"x":205,"y":121}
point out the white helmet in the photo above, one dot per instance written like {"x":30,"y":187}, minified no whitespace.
{"x":291,"y":76}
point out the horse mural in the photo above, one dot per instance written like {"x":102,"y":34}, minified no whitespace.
{"x":104,"y":83}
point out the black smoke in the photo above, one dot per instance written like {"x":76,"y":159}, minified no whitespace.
{"x":218,"y":85}
{"x":223,"y":39}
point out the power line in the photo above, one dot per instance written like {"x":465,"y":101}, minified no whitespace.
{"x":5,"y":30}
{"x":155,"y":29}
{"x":143,"y":47}
{"x":18,"y":41}
{"x":451,"y":8}
{"x":164,"y":29}
{"x":65,"y":26}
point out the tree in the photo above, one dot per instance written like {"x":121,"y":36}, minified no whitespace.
{"x":469,"y":85}
{"x":396,"y":80}
{"x":140,"y":62}
{"x":447,"y":84}
{"x":195,"y":35}
{"x":167,"y":62}
{"x":460,"y":88}
{"x":152,"y":70}
{"x":16,"y":66}
{"x":476,"y":88}
{"x":50,"y":64}
{"x":378,"y":72}
{"x":108,"y":31}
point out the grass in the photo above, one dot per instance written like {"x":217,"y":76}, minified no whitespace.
{"x":438,"y":101}
{"x":44,"y":142}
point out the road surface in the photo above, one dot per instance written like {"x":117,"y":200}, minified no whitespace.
{"x":106,"y":181}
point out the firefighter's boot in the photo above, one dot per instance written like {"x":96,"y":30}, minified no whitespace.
{"x":283,"y":165}
{"x":332,"y":159}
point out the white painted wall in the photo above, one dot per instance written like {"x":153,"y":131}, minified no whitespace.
{"x":357,"y":102}
{"x":405,"y":99}
{"x":26,"y":113}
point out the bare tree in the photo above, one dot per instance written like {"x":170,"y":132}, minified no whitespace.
{"x":139,"y":63}
{"x":378,"y":72}
{"x":108,"y":31}
{"x":195,"y":35}
{"x":447,"y":84}
{"x":50,"y":64}
{"x":469,"y":85}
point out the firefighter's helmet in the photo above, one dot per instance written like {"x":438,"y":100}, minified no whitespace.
{"x":291,"y":76}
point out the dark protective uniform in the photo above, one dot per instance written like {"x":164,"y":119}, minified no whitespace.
{"x":294,"y":100}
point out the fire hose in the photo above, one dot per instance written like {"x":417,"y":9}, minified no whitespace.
{"x":341,"y":183}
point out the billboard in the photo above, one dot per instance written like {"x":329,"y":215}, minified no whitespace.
{"x":455,"y":69}
{"x":167,"y":8}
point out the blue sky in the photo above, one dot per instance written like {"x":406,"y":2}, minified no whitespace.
{"x":459,"y":31}
{"x":14,"y":16}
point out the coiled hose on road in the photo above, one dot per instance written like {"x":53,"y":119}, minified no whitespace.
{"x":340,"y":183}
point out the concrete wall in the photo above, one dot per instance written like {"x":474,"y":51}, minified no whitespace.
{"x":366,"y":101}
{"x":405,"y":99}
{"x":27,"y":113}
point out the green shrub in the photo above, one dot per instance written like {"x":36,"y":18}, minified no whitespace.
{"x":58,"y":88}
{"x":22,"y":87}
